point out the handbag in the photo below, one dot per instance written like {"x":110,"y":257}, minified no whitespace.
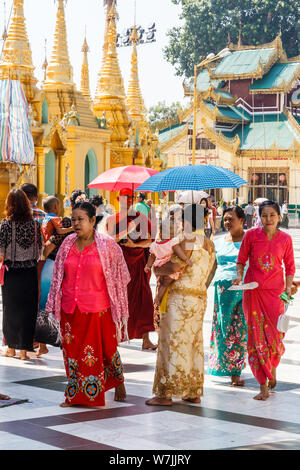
{"x":47,"y":330}
{"x":2,"y":271}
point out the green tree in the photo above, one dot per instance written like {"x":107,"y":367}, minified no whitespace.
{"x":162,"y":115}
{"x":208,"y":25}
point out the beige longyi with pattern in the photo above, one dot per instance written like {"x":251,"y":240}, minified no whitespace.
{"x":180,"y":356}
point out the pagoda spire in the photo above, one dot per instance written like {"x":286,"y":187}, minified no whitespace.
{"x":85,"y":77}
{"x":110,"y":93}
{"x":16,"y":60}
{"x":111,"y":62}
{"x":135,"y":100}
{"x":60,"y":70}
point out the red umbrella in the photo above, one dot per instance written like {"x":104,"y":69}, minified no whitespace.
{"x":115,"y":179}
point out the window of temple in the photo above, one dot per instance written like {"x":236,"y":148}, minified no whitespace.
{"x":201,"y":144}
{"x":271,"y":184}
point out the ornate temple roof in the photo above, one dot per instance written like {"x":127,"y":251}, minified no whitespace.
{"x":249,"y":63}
{"x":228,"y":114}
{"x":279,"y":79}
{"x":203,"y":83}
{"x":246,"y":61}
{"x":266,"y":132}
{"x":171,"y":134}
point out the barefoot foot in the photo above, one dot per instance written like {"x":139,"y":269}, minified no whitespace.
{"x":23,"y":355}
{"x":192,"y":400}
{"x":264,"y":393}
{"x":272,"y":383}
{"x":147,"y":344}
{"x":11,"y":352}
{"x":156,"y":401}
{"x":4,"y":397}
{"x":42,"y":350}
{"x":236,"y":381}
{"x":120,"y":393}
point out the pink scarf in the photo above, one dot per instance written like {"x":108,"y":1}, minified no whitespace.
{"x":115,"y":272}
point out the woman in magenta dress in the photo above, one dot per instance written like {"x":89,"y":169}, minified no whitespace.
{"x":88,"y":295}
{"x":267,"y":249}
{"x":132,"y":231}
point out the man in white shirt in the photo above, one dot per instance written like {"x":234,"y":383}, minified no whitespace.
{"x":285,"y":215}
{"x":249,"y":213}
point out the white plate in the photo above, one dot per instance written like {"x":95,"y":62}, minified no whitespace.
{"x":249,"y":286}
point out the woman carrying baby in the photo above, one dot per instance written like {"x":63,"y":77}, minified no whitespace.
{"x":180,"y":355}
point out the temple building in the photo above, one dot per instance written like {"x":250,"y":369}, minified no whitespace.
{"x":247,"y":119}
{"x":75,"y":137}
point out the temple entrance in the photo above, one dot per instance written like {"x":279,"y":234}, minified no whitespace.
{"x":50,"y":173}
{"x":90,"y":172}
{"x":45,"y":112}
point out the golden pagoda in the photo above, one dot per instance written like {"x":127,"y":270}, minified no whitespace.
{"x":72,"y":133}
{"x":75,"y":139}
{"x":110,"y":97}
{"x":16,"y":61}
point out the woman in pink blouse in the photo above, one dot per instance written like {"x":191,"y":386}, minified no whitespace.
{"x":267,"y":249}
{"x":89,"y":295}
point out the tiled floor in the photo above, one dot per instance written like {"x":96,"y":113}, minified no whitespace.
{"x":226,"y":419}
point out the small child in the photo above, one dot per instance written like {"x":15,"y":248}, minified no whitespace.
{"x":161,"y":251}
{"x":52,"y":222}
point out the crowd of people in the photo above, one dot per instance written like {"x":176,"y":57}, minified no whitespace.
{"x":91,"y":273}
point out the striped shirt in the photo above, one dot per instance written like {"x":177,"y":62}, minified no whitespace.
{"x":37,"y":213}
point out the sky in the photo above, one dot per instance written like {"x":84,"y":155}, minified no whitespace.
{"x":157,"y":77}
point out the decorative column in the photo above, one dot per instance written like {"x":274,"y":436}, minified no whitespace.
{"x":41,"y":153}
{"x":61,"y":180}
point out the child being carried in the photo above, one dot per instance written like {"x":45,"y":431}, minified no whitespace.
{"x":161,"y":251}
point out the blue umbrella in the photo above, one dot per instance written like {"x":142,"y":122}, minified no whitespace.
{"x":192,"y":177}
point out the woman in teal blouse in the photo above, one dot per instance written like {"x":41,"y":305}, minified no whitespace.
{"x":228,"y":346}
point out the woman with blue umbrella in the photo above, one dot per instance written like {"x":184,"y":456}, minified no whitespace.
{"x":193,"y":177}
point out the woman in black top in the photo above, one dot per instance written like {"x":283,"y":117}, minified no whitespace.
{"x":20,"y":250}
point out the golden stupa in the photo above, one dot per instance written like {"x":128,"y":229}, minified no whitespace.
{"x":76,"y":138}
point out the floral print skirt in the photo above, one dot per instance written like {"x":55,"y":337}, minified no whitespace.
{"x":228,"y":344}
{"x":92,"y":361}
{"x":180,"y":356}
{"x":262,"y":308}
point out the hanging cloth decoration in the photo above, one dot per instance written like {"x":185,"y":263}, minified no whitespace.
{"x":16,"y":141}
